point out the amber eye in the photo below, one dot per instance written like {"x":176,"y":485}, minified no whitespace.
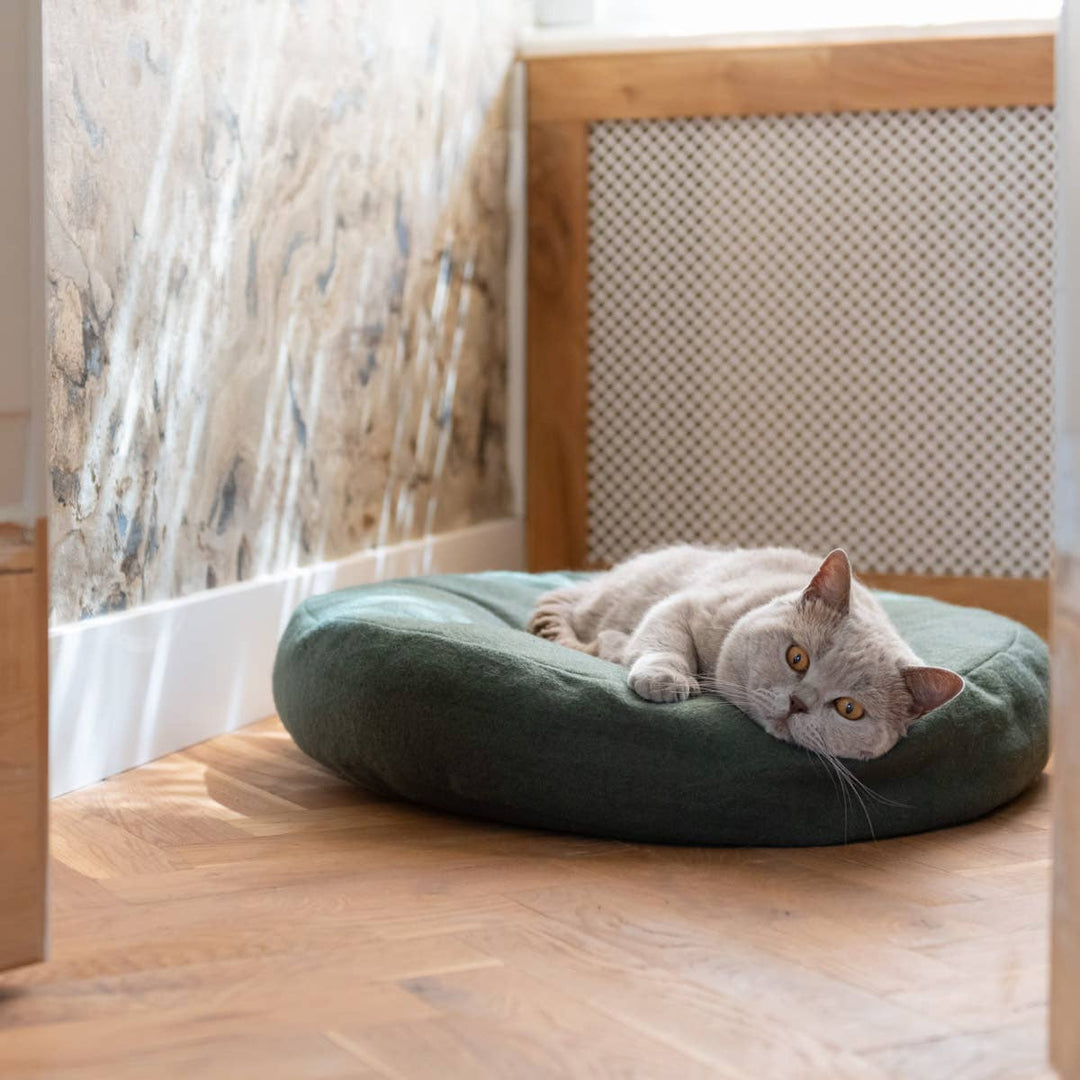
{"x":797,"y":658}
{"x":848,"y":708}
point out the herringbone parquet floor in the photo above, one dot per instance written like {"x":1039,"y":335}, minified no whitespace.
{"x":234,"y":912}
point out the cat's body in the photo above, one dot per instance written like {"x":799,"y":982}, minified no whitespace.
{"x":688,"y":619}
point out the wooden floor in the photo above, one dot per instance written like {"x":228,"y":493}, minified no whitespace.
{"x":234,"y":912}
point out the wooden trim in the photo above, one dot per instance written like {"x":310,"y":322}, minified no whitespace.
{"x":1065,"y":740}
{"x":566,"y":93}
{"x":928,"y":73}
{"x":24,"y":753}
{"x":557,"y":379}
{"x":1027,"y":600}
{"x":17,"y":551}
{"x":41,"y":639}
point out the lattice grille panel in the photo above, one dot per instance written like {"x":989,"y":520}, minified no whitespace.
{"x":825,"y":330}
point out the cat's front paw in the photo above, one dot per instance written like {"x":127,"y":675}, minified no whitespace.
{"x":654,"y":682}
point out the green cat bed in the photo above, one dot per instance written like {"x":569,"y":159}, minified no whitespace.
{"x":429,"y":689}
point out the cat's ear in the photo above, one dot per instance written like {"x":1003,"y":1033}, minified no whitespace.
{"x":931,"y":687}
{"x":832,"y":583}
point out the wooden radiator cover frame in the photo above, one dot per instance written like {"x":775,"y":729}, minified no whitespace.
{"x":567,"y":93}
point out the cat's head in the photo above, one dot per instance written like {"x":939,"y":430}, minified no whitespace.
{"x":815,"y":670}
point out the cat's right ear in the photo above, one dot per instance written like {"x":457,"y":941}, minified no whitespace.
{"x":931,"y":687}
{"x":831,"y":585}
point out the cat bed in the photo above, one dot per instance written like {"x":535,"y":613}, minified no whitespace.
{"x":430,"y":690}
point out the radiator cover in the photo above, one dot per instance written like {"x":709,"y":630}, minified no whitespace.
{"x":824,"y":330}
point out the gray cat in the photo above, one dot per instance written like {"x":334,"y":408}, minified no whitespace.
{"x":798,"y":645}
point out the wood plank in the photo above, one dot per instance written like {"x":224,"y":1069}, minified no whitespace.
{"x":23,"y":759}
{"x":210,"y":1048}
{"x":1027,"y":600}
{"x":17,"y":554}
{"x":929,"y":73}
{"x":595,"y":924}
{"x":557,"y":379}
{"x":195,"y":935}
{"x":499,"y":1022}
{"x":1065,"y":685}
{"x":1015,"y":1051}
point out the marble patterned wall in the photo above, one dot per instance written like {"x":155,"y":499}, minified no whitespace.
{"x":276,"y":244}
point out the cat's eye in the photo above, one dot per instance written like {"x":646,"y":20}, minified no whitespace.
{"x":797,"y":658}
{"x":848,"y":708}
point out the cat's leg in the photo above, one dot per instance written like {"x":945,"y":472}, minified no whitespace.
{"x":611,"y":645}
{"x":551,"y":619}
{"x":661,"y":654}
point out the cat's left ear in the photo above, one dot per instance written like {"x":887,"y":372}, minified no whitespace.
{"x":931,"y":687}
{"x":832,"y":583}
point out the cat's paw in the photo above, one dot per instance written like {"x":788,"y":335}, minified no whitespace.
{"x":654,"y":682}
{"x":549,"y":621}
{"x":551,"y":627}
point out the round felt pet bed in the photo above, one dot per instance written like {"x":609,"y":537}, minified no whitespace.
{"x":429,"y":689}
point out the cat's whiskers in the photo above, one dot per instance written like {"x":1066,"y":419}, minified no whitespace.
{"x":732,"y":690}
{"x":735,"y":690}
{"x":838,"y":787}
{"x":735,"y":697}
{"x":877,"y":796}
{"x":846,"y":778}
{"x":810,"y":752}
{"x":728,"y":689}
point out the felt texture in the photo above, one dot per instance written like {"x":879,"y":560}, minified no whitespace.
{"x":430,"y":690}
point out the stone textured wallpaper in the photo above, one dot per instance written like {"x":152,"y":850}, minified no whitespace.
{"x":276,"y":248}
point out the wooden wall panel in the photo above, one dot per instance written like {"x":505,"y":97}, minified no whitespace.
{"x":565,"y":93}
{"x":557,"y":387}
{"x":23,"y":748}
{"x":1027,"y":600}
{"x":1065,"y":687}
{"x":1065,"y":670}
{"x":949,"y":73}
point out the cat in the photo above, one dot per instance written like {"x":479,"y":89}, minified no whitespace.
{"x":795,"y":642}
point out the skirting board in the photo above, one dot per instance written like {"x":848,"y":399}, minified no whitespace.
{"x":131,"y":687}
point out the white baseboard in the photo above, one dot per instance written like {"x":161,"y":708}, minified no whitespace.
{"x":128,"y":688}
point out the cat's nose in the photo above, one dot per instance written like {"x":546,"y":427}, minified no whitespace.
{"x":795,"y":705}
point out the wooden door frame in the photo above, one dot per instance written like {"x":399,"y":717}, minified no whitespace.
{"x":24,"y":742}
{"x":24,"y":577}
{"x":1065,"y":674}
{"x":568,"y":93}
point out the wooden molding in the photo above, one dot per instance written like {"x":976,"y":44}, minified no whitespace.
{"x":928,"y":73}
{"x":24,"y":753}
{"x":1065,"y":739}
{"x":1027,"y":600}
{"x":566,"y":93}
{"x":18,"y":551}
{"x":557,"y":380}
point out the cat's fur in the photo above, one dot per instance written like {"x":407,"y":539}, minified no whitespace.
{"x":688,"y":619}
